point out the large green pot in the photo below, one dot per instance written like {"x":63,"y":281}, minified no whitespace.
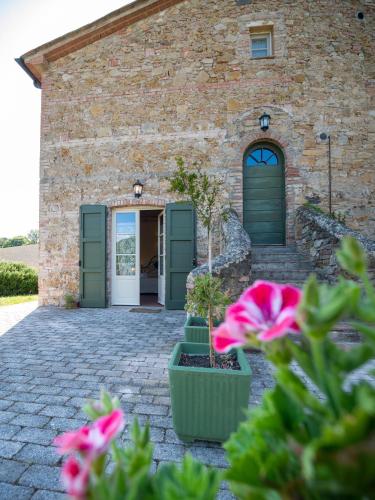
{"x":207,"y":403}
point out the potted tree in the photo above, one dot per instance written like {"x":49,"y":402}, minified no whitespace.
{"x":209,"y":392}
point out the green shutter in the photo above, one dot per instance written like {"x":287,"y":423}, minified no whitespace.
{"x":93,"y":256}
{"x":180,"y":252}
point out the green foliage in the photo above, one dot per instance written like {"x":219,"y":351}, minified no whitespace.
{"x":130,"y":477}
{"x":314,"y":444}
{"x":16,"y":241}
{"x":70,"y":301}
{"x":189,"y":481}
{"x":17,"y":279}
{"x":206,"y":297}
{"x":204,"y":191}
{"x":33,"y":236}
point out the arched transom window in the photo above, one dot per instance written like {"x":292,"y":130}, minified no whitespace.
{"x":261,"y":157}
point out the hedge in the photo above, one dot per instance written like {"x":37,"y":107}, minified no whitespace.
{"x":17,"y":279}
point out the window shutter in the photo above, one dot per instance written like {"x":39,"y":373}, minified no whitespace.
{"x":93,"y":221}
{"x":180,"y":252}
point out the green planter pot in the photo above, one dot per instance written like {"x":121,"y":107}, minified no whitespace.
{"x":196,"y":330}
{"x":207,"y":403}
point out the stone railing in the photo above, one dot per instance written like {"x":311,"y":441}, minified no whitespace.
{"x":318,"y":236}
{"x":233,"y":265}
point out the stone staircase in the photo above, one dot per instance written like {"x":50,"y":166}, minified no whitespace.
{"x":280,"y":264}
{"x":286,"y":265}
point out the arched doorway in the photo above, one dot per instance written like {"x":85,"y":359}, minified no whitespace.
{"x":264,"y":194}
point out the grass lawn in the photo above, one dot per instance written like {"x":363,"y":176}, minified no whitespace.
{"x":17,"y":299}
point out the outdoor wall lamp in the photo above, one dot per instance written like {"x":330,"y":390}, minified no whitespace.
{"x":264,"y":121}
{"x":138,"y":188}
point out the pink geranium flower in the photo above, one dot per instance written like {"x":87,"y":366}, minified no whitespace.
{"x":75,"y":478}
{"x":266,"y":309}
{"x":93,"y":440}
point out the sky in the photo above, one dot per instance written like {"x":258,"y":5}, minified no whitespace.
{"x":24,"y":25}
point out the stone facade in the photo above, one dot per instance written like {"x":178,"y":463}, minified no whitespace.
{"x":181,"y":82}
{"x":318,"y":236}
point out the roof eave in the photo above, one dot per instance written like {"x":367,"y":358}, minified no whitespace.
{"x":35,"y":61}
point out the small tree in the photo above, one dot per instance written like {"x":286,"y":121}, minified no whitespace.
{"x":206,"y":195}
{"x":33,"y":236}
{"x":207,"y":301}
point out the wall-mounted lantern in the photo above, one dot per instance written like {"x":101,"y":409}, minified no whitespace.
{"x":138,"y":188}
{"x":264,"y":121}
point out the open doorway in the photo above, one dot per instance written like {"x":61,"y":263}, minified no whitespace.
{"x":151,"y":257}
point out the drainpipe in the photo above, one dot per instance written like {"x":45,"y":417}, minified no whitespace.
{"x":21,"y":62}
{"x":324,"y":137}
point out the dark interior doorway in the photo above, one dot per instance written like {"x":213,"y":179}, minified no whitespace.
{"x":149,"y":257}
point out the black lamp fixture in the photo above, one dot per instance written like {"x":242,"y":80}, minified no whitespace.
{"x":138,"y":188}
{"x":264,"y":121}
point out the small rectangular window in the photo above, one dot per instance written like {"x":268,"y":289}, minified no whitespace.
{"x":261,"y":45}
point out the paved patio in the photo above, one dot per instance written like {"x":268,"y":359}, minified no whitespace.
{"x":52,"y":359}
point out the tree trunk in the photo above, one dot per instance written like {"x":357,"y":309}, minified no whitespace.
{"x":210,"y":328}
{"x":209,"y":250}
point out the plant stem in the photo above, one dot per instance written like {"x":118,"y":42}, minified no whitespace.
{"x":209,"y":249}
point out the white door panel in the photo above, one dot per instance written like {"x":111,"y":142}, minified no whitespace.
{"x":125,"y":258}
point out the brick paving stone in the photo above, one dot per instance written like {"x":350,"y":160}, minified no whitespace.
{"x":35,"y":435}
{"x":7,"y":416}
{"x":11,"y":470}
{"x":5,"y":404}
{"x":48,"y":495}
{"x":151,"y":409}
{"x":9,"y":448}
{"x":27,"y":407}
{"x":36,"y":454}
{"x":42,"y":476}
{"x":26,"y":420}
{"x":7,"y":431}
{"x":57,"y":411}
{"x":12,"y":492}
{"x":65,"y":424}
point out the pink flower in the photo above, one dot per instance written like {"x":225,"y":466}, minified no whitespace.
{"x":75,"y":478}
{"x":93,"y":440}
{"x":265,"y":309}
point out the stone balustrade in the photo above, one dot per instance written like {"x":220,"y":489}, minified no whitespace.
{"x":233,"y":265}
{"x":318,"y":236}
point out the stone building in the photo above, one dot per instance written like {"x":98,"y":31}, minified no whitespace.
{"x":126,"y":94}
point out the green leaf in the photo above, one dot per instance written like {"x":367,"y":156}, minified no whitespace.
{"x":352,"y":257}
{"x":189,"y":481}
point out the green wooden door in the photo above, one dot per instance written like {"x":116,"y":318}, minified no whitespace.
{"x":93,"y":256}
{"x":180,"y":252}
{"x":264,"y":195}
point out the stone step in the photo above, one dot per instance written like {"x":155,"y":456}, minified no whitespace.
{"x":275,"y":275}
{"x":274,"y":249}
{"x":282,"y":257}
{"x":283,"y":266}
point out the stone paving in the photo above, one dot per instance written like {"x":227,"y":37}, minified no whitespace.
{"x":52,"y":359}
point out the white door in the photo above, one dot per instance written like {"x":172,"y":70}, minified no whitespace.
{"x":125,"y":258}
{"x":161,"y":258}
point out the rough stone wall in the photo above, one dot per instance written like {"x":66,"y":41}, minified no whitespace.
{"x":233,"y":265}
{"x":319,"y":236}
{"x":182,"y":83}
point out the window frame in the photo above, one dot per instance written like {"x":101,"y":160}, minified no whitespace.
{"x":257,"y":35}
